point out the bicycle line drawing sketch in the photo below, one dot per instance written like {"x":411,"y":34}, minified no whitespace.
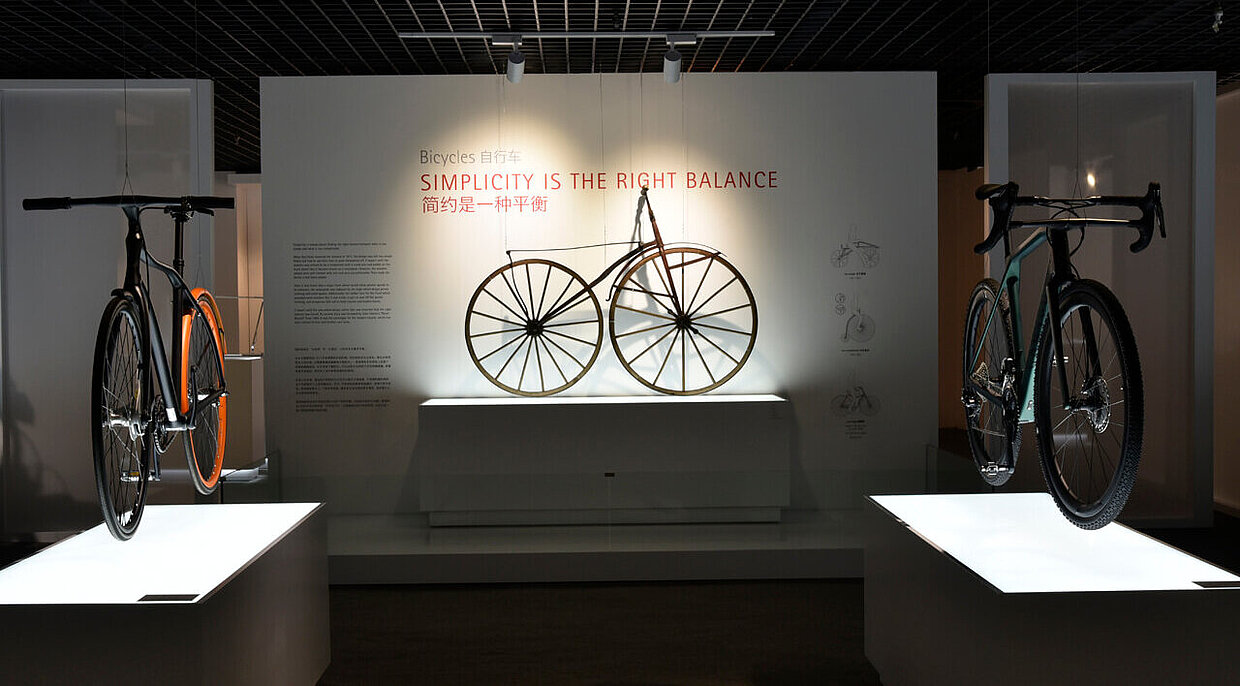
{"x":855,"y":402}
{"x":682,"y":319}
{"x":867,"y":253}
{"x":859,"y":328}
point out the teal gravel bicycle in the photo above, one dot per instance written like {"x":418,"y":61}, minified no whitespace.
{"x":1078,"y":380}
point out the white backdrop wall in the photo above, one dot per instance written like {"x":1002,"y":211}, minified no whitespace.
{"x":69,"y":139}
{"x":349,"y":169}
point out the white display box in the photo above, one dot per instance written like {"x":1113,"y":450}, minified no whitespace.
{"x":1000,"y":588}
{"x":572,"y":460}
{"x":202,"y":594}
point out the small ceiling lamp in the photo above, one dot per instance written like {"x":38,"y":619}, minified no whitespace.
{"x":516,"y":66}
{"x":671,"y":65}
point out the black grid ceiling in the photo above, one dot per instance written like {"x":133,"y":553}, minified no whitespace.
{"x":234,"y":42}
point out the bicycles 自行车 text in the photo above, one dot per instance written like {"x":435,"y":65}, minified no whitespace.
{"x":1078,"y":380}
{"x":682,"y":319}
{"x":139,"y":399}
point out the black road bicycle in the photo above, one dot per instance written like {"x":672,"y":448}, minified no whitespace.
{"x":137,"y":404}
{"x":1078,"y":380}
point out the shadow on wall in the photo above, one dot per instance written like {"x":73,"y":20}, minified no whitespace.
{"x":41,"y":493}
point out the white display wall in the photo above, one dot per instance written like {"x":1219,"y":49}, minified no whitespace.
{"x":69,"y":138}
{"x":1048,"y":132}
{"x":387,"y":200}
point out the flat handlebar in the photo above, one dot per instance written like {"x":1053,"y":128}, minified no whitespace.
{"x":186,"y":203}
{"x":1004,"y":200}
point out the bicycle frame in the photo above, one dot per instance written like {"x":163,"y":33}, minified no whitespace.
{"x":632,"y":256}
{"x":183,"y":304}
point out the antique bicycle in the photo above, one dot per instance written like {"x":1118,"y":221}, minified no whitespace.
{"x":682,"y":319}
{"x":1079,"y":381}
{"x":140,"y":401}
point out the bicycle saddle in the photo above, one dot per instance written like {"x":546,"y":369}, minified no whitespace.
{"x":989,"y":190}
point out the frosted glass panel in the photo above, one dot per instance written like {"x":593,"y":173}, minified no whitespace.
{"x":1124,"y":135}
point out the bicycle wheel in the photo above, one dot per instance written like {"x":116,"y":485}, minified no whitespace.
{"x":533,"y":327}
{"x":860,"y":328}
{"x":839,"y":257}
{"x":994,"y":439}
{"x":119,"y":391}
{"x":868,"y":405}
{"x":869,"y":255}
{"x":690,"y":344}
{"x":202,"y":383}
{"x":1090,"y":449}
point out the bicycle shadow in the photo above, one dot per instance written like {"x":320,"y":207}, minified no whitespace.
{"x":37,"y":496}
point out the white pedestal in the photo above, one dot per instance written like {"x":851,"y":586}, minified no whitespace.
{"x":1000,"y":588}
{"x":660,"y":459}
{"x":202,"y":594}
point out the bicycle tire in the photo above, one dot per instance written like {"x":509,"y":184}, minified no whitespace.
{"x":120,"y":422}
{"x":994,"y":438}
{"x":202,"y":339}
{"x":1090,"y":492}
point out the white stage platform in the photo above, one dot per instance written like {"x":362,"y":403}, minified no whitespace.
{"x":1000,"y":588}
{"x":598,"y":460}
{"x":204,"y":594}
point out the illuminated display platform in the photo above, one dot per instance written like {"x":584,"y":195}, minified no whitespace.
{"x":584,"y":460}
{"x":1000,"y":588}
{"x":205,"y":594}
{"x":1020,"y":543}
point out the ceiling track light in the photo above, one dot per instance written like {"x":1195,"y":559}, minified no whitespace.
{"x":516,"y":66}
{"x":516,"y":59}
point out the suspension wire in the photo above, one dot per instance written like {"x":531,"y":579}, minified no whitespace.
{"x":126,"y":183}
{"x":1076,"y":175}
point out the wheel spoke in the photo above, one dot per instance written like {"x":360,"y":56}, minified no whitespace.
{"x":701,"y":357}
{"x":496,"y":332}
{"x":574,"y":338}
{"x":645,"y":312}
{"x":698,"y":290}
{"x":561,"y":349}
{"x":649,"y":328}
{"x":498,"y":319}
{"x":516,"y":314}
{"x":542,"y":296}
{"x":551,"y":357}
{"x":484,"y":357}
{"x":725,"y":353}
{"x":722,"y":328}
{"x":666,"y":357}
{"x":719,"y":312}
{"x":712,"y":296}
{"x":657,"y":341}
{"x":512,"y":288}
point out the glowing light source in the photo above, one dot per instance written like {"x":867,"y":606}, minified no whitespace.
{"x":1089,"y":179}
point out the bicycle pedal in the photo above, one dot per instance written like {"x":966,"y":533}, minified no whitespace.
{"x":130,"y":477}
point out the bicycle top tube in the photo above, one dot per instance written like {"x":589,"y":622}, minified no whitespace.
{"x":1004,"y":200}
{"x":186,"y":203}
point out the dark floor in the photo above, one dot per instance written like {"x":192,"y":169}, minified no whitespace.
{"x":765,"y":633}
{"x":762,"y":633}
